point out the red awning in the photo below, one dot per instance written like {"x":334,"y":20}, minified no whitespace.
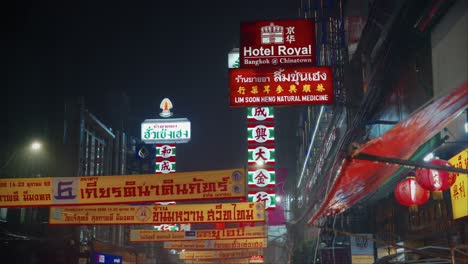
{"x":357,"y":178}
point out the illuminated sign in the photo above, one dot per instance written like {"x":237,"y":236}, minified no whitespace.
{"x":179,"y":186}
{"x":261,"y":155}
{"x":217,"y":244}
{"x":166,"y":106}
{"x":266,"y":196}
{"x":261,"y":178}
{"x":157,"y":214}
{"x":219,"y":254}
{"x":260,"y":134}
{"x":142,"y":235}
{"x":277,"y":43}
{"x":174,"y":130}
{"x":458,"y":191}
{"x":288,"y":86}
{"x":262,"y":114}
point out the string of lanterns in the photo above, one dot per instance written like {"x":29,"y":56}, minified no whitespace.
{"x":416,"y":188}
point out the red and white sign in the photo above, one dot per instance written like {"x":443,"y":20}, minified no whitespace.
{"x":277,"y":43}
{"x":289,"y":86}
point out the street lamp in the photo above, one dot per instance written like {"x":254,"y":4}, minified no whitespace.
{"x":36,"y":146}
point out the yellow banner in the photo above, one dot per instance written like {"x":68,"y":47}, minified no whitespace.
{"x":219,"y":254}
{"x":219,"y":261}
{"x":218,"y":244}
{"x":458,"y":191}
{"x":158,"y":214}
{"x":138,"y":235}
{"x":122,"y":189}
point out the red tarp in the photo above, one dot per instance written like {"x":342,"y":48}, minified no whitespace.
{"x":357,"y":178}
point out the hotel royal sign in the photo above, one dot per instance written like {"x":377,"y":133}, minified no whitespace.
{"x":277,"y":43}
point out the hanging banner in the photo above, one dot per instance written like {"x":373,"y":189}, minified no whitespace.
{"x":289,"y":86}
{"x":260,"y":134}
{"x":217,"y":244}
{"x":263,"y":155}
{"x":260,"y":114}
{"x":261,"y":178}
{"x":277,"y":43}
{"x":137,"y":235}
{"x":157,"y":214}
{"x":458,"y":191}
{"x":219,"y":254}
{"x":216,"y":261}
{"x":122,"y":189}
{"x":266,"y":196}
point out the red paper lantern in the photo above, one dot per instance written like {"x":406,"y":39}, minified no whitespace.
{"x":434,"y":180}
{"x":409,"y":193}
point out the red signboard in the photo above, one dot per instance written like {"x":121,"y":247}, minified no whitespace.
{"x":289,"y":86}
{"x":277,"y":43}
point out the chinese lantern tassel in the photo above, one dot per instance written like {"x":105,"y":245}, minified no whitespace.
{"x":413,"y":209}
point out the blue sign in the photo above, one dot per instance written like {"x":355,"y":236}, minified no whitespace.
{"x":102,"y":258}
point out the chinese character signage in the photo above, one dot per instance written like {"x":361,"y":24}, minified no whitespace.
{"x":157,"y":214}
{"x":261,"y":178}
{"x":270,"y":87}
{"x":458,"y":191}
{"x":219,"y":254}
{"x":261,"y":155}
{"x":260,"y":114}
{"x":201,"y":185}
{"x":260,"y":134}
{"x":162,"y":131}
{"x":165,"y":158}
{"x":137,"y":235}
{"x":266,"y":196}
{"x":277,"y":43}
{"x":217,"y":244}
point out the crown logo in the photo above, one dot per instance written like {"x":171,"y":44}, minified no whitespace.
{"x":272,"y":34}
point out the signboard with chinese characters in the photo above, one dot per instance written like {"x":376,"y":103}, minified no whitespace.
{"x":165,"y":158}
{"x":157,"y":214}
{"x":219,"y":254}
{"x":261,"y":177}
{"x":266,"y":196}
{"x":261,"y":155}
{"x":458,"y":191}
{"x":277,"y":43}
{"x":217,"y":244}
{"x":162,"y":131}
{"x":260,"y":114}
{"x":276,"y":86}
{"x":137,"y":235}
{"x":260,"y":134}
{"x":121,"y":189}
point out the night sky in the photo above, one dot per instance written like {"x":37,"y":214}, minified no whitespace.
{"x":138,"y":52}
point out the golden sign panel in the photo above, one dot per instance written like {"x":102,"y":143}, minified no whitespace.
{"x":218,"y":244}
{"x":137,"y":235}
{"x":158,"y":214}
{"x":122,"y":189}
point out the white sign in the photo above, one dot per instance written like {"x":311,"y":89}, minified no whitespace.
{"x":160,"y":131}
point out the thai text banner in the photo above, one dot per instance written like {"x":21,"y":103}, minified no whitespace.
{"x":224,"y":261}
{"x":122,"y":189}
{"x":139,"y":235}
{"x":275,"y":86}
{"x":219,"y":254}
{"x":157,"y":214}
{"x":218,"y":244}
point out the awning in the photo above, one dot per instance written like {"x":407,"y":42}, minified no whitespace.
{"x":357,"y":178}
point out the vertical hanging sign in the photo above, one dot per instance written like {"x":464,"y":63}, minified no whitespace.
{"x":261,"y":178}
